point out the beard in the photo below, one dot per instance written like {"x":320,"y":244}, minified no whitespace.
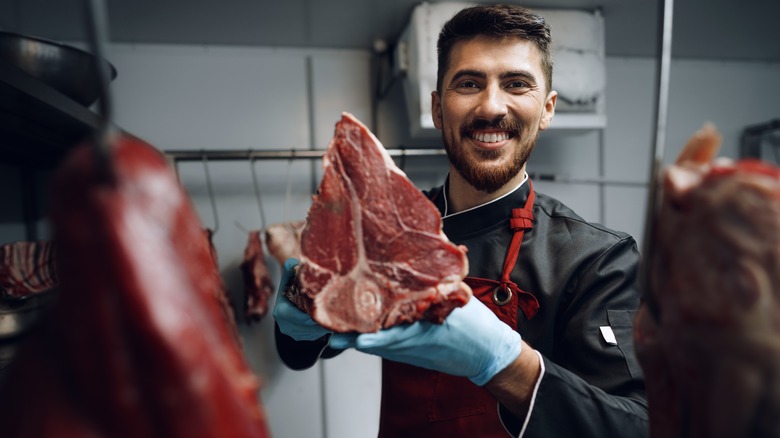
{"x":475,"y":168}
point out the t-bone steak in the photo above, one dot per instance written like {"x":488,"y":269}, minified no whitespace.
{"x":708,"y":335}
{"x":373,"y":254}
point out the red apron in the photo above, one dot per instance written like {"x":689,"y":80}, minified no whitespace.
{"x":417,"y":402}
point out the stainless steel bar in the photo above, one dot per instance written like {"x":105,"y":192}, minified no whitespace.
{"x":278,"y":154}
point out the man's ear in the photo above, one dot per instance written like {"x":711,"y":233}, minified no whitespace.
{"x":436,"y":109}
{"x":548,"y":111}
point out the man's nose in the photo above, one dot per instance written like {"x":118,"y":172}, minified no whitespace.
{"x":493,"y":103}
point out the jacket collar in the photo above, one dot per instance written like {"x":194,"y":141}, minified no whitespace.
{"x":477,"y":219}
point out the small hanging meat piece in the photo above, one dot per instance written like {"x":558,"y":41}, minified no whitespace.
{"x":257,"y":281}
{"x":136,"y":344}
{"x":27,"y":268}
{"x":284,"y":240}
{"x":221,"y":294}
{"x":709,"y":343}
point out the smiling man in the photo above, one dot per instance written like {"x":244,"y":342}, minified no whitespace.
{"x":544,"y":347}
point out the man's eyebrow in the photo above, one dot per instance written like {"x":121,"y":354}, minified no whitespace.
{"x":523,"y":74}
{"x":467,"y":72}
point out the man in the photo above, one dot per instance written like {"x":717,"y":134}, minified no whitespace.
{"x":544,"y":347}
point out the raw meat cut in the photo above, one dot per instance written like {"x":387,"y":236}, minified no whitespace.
{"x":284,"y":240}
{"x":708,"y":333}
{"x":373,"y":254}
{"x":257,"y":281}
{"x":221,"y":293}
{"x":26,"y":268}
{"x":136,"y":344}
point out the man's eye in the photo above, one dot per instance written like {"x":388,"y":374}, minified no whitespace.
{"x":518,"y":84}
{"x":468,"y":84}
{"x":467,"y":87}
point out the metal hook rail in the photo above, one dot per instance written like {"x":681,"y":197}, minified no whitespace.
{"x":307,"y":154}
{"x":279,"y":154}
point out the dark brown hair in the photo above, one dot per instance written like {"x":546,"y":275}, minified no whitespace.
{"x":497,"y":21}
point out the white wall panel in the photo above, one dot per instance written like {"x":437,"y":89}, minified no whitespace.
{"x":190,"y":97}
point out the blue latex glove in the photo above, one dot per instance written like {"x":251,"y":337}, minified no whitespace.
{"x":292,"y":321}
{"x":472,"y":342}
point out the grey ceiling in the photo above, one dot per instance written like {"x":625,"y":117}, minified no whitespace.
{"x":709,"y":29}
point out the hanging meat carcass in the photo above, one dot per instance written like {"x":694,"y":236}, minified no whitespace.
{"x":221,"y":294}
{"x":257,"y":281}
{"x":708,"y":334}
{"x":136,"y":343}
{"x":27,"y":268}
{"x":284,"y":240}
{"x":373,"y":254}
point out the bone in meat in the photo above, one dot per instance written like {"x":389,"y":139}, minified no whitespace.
{"x":373,"y":254}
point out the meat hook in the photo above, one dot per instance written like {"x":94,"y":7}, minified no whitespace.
{"x":211,"y":193}
{"x":288,"y":188}
{"x":257,"y":193}
{"x":97,"y":30}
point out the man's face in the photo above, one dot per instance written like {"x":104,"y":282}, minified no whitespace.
{"x":493,"y":105}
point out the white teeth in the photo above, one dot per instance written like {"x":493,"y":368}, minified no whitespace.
{"x":490,"y":138}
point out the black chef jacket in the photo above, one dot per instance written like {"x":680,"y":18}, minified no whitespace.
{"x":585,"y":278}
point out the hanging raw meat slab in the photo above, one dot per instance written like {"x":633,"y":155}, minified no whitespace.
{"x":708,"y":337}
{"x":136,"y":344}
{"x":373,"y":253}
{"x":284,"y":240}
{"x":257,"y":281}
{"x":221,"y":294}
{"x":26,"y":268}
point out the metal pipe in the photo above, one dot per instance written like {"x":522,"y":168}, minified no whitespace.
{"x":278,"y":154}
{"x":97,"y":30}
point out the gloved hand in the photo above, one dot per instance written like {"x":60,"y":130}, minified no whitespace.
{"x":472,"y":342}
{"x":292,"y":321}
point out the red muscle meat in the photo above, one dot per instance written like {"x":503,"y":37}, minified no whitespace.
{"x":708,"y":336}
{"x":136,"y":344}
{"x":284,"y":240}
{"x":221,"y":294}
{"x":27,"y":268}
{"x":373,"y":254}
{"x":257,"y":281}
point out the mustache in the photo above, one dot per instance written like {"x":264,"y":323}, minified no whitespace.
{"x":501,"y":123}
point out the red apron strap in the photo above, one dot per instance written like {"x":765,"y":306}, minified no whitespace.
{"x":521,"y":220}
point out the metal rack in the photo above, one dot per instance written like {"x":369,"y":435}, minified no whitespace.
{"x":278,"y":154}
{"x":175,"y":156}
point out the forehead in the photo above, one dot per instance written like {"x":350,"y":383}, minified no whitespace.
{"x":495,"y":55}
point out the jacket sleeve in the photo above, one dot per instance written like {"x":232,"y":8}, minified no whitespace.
{"x":300,"y":355}
{"x":592,"y":384}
